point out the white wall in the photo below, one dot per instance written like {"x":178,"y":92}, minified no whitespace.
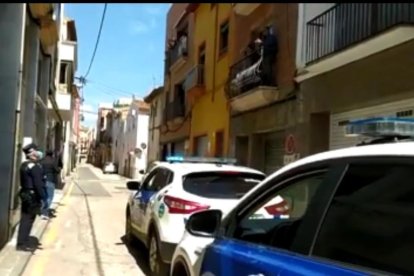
{"x":67,"y":50}
{"x":141,"y":138}
{"x":65,"y":101}
{"x":306,"y":13}
{"x":136,"y":133}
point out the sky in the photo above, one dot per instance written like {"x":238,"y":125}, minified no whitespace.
{"x":130,"y":55}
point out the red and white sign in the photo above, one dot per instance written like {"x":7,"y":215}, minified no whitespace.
{"x":290,"y":144}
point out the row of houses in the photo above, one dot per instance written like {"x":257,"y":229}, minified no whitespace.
{"x":122,"y":136}
{"x":270,"y":83}
{"x":38,"y":101}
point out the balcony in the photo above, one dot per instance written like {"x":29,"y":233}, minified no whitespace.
{"x":175,"y":111}
{"x":64,"y":103}
{"x":245,"y":9}
{"x":194,"y":84}
{"x":349,"y":32}
{"x":68,"y":50}
{"x":250,"y":86}
{"x":44,"y":14}
{"x":178,"y":53}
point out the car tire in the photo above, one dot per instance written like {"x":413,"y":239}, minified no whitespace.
{"x":129,"y":236}
{"x":180,"y":269}
{"x":156,"y":265}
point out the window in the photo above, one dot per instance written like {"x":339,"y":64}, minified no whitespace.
{"x":63,"y":73}
{"x":202,"y":54}
{"x":224,"y":37}
{"x":201,"y":63}
{"x":274,"y":219}
{"x":222,"y":184}
{"x":370,"y":221}
{"x":101,"y":123}
{"x":157,"y":179}
{"x":39,"y":76}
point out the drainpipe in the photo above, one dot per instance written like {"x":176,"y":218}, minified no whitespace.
{"x":215,"y":52}
{"x":17,"y":127}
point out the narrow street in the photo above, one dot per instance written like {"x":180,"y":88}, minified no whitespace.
{"x":86,"y":237}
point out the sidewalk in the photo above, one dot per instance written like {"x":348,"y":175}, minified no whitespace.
{"x":12,"y":262}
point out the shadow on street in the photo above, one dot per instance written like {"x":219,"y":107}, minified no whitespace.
{"x":139,"y":252}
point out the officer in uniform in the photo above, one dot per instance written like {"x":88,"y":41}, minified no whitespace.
{"x":31,"y":194}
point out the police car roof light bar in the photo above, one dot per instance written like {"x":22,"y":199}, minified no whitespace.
{"x":189,"y":159}
{"x":382,"y":127}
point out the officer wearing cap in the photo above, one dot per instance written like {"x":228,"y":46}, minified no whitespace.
{"x":31,"y":194}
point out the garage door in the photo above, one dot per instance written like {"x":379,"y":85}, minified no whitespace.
{"x":337,"y":137}
{"x":179,"y":148}
{"x":274,"y":151}
{"x":201,"y":146}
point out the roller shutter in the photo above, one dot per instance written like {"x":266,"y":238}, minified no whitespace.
{"x":337,"y":137}
{"x":274,"y":151}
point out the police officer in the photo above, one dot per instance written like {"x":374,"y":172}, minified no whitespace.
{"x":31,"y":194}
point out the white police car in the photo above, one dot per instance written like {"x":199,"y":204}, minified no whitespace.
{"x":158,"y":208}
{"x":350,"y":212}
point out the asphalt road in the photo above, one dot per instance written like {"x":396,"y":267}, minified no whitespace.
{"x":86,"y":237}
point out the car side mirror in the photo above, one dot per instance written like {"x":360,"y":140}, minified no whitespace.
{"x":141,"y":171}
{"x":204,"y":224}
{"x":133,"y":185}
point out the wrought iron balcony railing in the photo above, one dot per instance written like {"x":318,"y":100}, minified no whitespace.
{"x":346,"y":24}
{"x":247,"y":74}
{"x":174,"y":109}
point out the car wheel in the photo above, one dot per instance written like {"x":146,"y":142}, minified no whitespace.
{"x":157,"y":266}
{"x":180,"y":269}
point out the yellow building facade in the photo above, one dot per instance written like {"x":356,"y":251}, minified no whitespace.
{"x":209,"y":134}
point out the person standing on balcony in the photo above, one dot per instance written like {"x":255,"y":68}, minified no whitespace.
{"x":270,"y":50}
{"x":182,"y":43}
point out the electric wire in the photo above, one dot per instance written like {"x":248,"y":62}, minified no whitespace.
{"x":97,"y":41}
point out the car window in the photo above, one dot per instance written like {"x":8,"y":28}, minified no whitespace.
{"x":161,"y":179}
{"x":221,"y":185}
{"x":370,"y":221}
{"x":149,"y":179}
{"x":275,"y":218}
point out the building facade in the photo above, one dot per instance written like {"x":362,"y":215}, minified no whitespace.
{"x":206,"y":81}
{"x":103,"y":135}
{"x":261,"y":90}
{"x":118,"y":130}
{"x":67,"y":96}
{"x":351,"y":67}
{"x":154,"y":100}
{"x":175,"y":128}
{"x":27,"y":72}
{"x":135,"y":140}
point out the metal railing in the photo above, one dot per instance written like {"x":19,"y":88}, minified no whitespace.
{"x":346,"y":24}
{"x":194,"y":78}
{"x":246,"y":74}
{"x":174,"y":109}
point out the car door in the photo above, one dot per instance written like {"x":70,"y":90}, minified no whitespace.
{"x":156,"y":189}
{"x":273,"y":225}
{"x":142,"y":199}
{"x":369,"y":224}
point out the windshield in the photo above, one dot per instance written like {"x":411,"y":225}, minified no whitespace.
{"x":221,"y":185}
